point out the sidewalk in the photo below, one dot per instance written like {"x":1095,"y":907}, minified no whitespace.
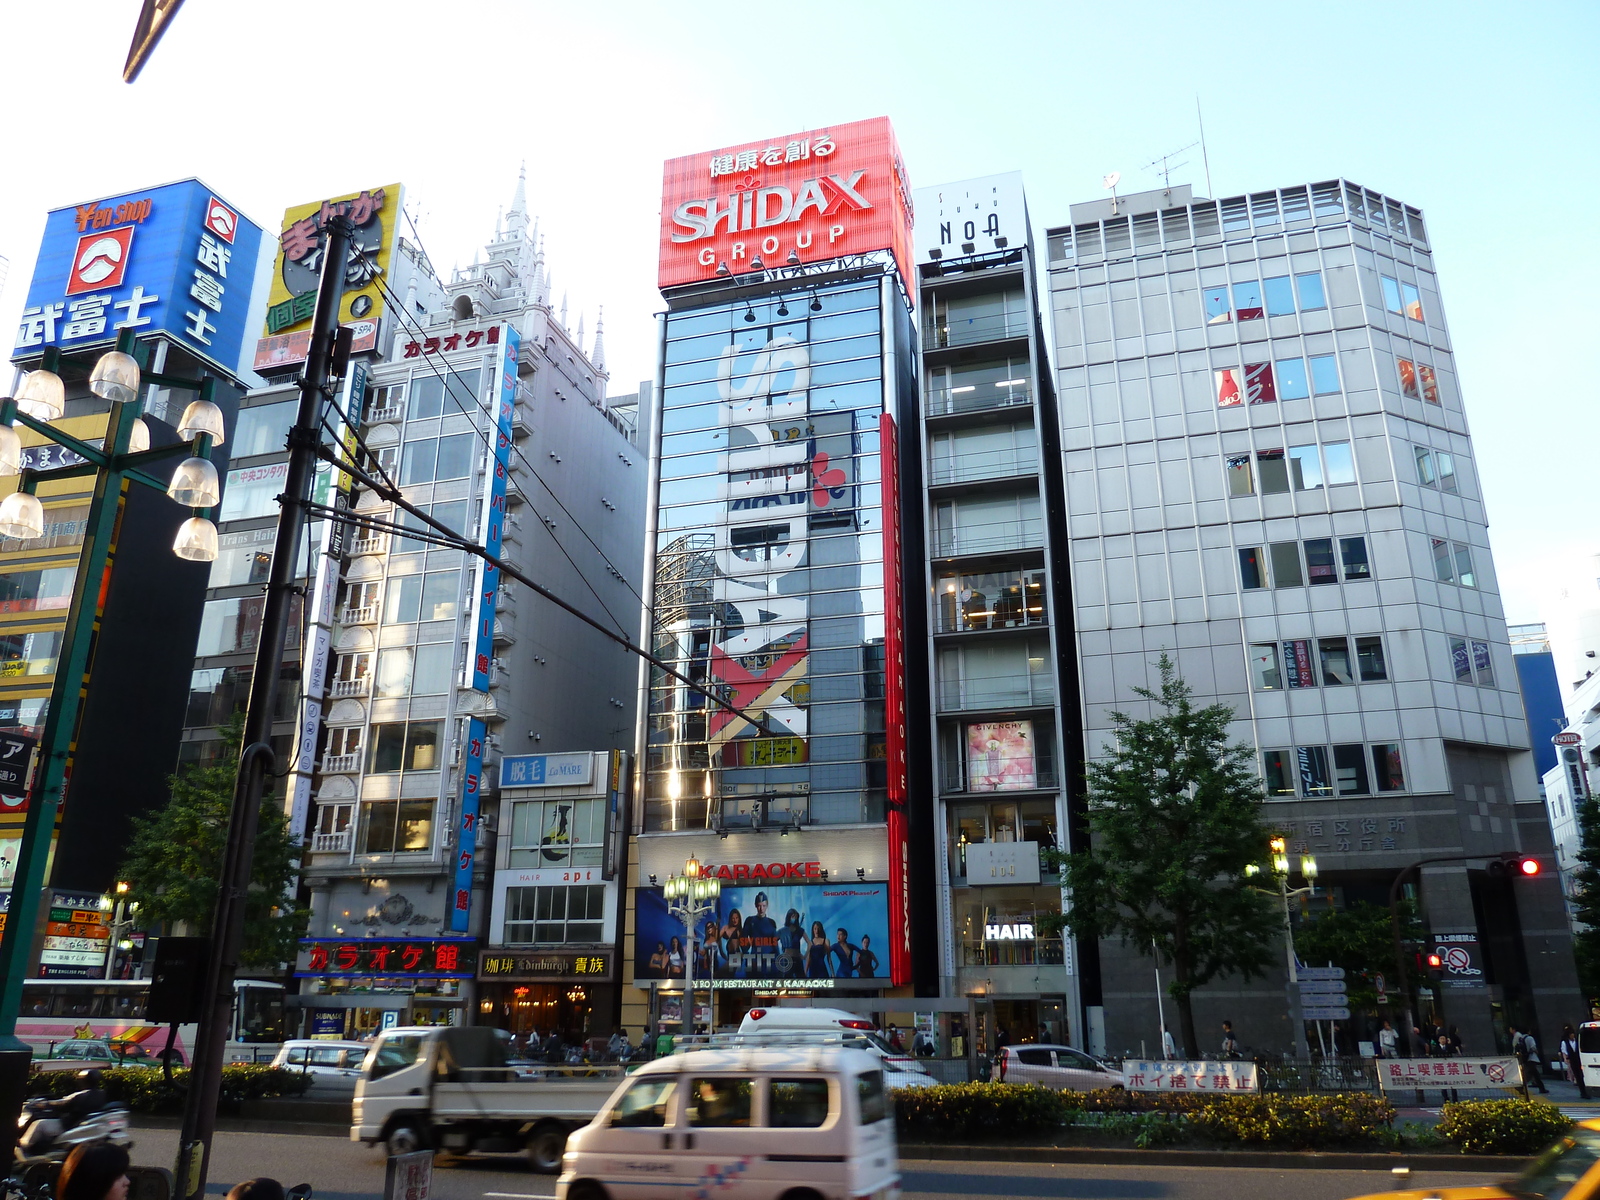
{"x":1562,"y":1094}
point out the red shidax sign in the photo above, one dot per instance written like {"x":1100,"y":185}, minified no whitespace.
{"x":817,"y":195}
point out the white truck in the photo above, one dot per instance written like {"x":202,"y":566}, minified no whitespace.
{"x":448,"y":1089}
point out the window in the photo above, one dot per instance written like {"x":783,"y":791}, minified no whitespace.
{"x":1443,"y":567}
{"x":872,"y":1098}
{"x":1339,"y":466}
{"x":356,"y":597}
{"x":1278,"y":773}
{"x":644,"y":1104}
{"x":1274,"y":471}
{"x":1334,"y":656}
{"x":1280,"y":296}
{"x":383,"y":399}
{"x":1425,"y":472}
{"x":1465,"y":575}
{"x":1386,"y":771}
{"x":1264,"y":674}
{"x":216,"y":693}
{"x":1353,"y":553}
{"x":554,"y":915}
{"x":1258,"y":384}
{"x":1285,"y":564}
{"x":437,"y":458}
{"x":242,"y":558}
{"x":1315,"y":779}
{"x":1218,"y":311}
{"x":1309,"y":288}
{"x":1391,"y":293}
{"x":1297,"y":664}
{"x":1292,"y":380}
{"x":431,"y":671}
{"x":1007,"y":598}
{"x":333,"y":819}
{"x":1436,"y":468}
{"x":1324,"y":375}
{"x":428,"y":392}
{"x":263,"y":429}
{"x":253,"y":491}
{"x":557,"y":833}
{"x":349,"y":668}
{"x":1247,"y":301}
{"x":395,"y":1053}
{"x":431,"y":597}
{"x":394,"y":672}
{"x":1472,"y":662}
{"x":452,"y":515}
{"x":1305,"y":468}
{"x":344,"y":741}
{"x":396,"y":827}
{"x":1370,"y":664}
{"x":719,"y":1103}
{"x":405,"y":746}
{"x":1408,"y":378}
{"x":1250,"y":575}
{"x":33,"y":591}
{"x":1350,"y":770}
{"x":1411,"y":301}
{"x":1319,"y":562}
{"x":1430,"y":383}
{"x":797,"y":1103}
{"x":1482,"y":667}
{"x":1447,"y":470}
{"x":1240,"y":480}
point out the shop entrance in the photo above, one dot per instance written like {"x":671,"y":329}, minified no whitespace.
{"x":532,"y":1011}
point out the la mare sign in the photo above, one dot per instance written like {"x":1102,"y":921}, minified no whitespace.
{"x":1022,"y":931}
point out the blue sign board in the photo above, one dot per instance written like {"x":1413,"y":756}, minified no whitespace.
{"x":467,"y":842}
{"x":546,"y":770}
{"x":175,"y":260}
{"x":495,"y":518}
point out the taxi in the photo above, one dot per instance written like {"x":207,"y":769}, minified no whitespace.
{"x":1568,"y":1170}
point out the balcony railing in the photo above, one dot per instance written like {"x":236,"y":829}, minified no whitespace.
{"x":944,"y":330}
{"x":331,"y":843}
{"x":983,"y":464}
{"x":978,"y":397}
{"x":1020,"y":953}
{"x":364,"y":614}
{"x":341,"y":764}
{"x":343,"y":688}
{"x":990,"y":538}
{"x":389,"y":412}
{"x":378,"y":543}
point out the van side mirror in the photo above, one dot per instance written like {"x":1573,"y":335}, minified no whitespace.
{"x":300,"y":1191}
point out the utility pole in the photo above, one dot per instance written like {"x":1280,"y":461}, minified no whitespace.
{"x":255,"y":756}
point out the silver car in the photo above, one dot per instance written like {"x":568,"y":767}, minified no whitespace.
{"x":327,"y":1058}
{"x":1059,"y":1067}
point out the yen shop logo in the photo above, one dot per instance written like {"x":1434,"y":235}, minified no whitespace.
{"x":221,"y":220}
{"x":100,"y":260}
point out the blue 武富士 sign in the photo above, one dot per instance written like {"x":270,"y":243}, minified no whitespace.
{"x":177,"y":260}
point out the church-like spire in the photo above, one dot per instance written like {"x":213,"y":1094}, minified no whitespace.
{"x":563,"y":310}
{"x":598,"y":355}
{"x":517,"y":217}
{"x":580,"y":332}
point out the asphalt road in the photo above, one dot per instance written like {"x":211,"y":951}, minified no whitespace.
{"x":342,"y":1170}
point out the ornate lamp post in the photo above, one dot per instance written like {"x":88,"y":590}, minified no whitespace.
{"x":689,"y":897}
{"x":1280,"y":874}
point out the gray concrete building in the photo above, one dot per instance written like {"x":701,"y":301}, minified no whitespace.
{"x":1270,"y":477}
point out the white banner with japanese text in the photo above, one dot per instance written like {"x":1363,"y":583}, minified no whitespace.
{"x":1462,"y":1074}
{"x":1196,"y":1076}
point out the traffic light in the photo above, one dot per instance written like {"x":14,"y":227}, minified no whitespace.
{"x":1512,"y":865}
{"x":1435,"y":966}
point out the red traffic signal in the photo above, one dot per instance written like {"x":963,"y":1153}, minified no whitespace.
{"x":1517,"y":866}
{"x":1527,"y":866}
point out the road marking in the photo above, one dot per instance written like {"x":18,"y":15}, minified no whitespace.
{"x":518,"y":1195}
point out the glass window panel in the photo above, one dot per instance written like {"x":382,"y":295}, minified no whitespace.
{"x":1338,"y":464}
{"x":1369,"y":659}
{"x":1286,"y":564}
{"x":1230,"y":390}
{"x":455,"y":456}
{"x":1274,"y":470}
{"x":1386,"y":769}
{"x":263,"y":429}
{"x":1309,"y":289}
{"x":1408,"y":378}
{"x":797,"y":1103}
{"x":1461,"y":660}
{"x":1279,"y":774}
{"x":452,"y":515}
{"x":404,"y":594}
{"x":1258,"y":383}
{"x":1350,"y":770}
{"x":1250,"y":575}
{"x":252,"y":491}
{"x":1391,"y":293}
{"x":416,"y":465}
{"x":377,"y":827}
{"x":1264,"y":674}
{"x":1240,"y":482}
{"x":427,"y":395}
{"x":719,"y":1102}
{"x":1411,"y":301}
{"x":387,"y":748}
{"x":1315,"y":779}
{"x":1218,"y":310}
{"x":1297,"y":670}
{"x":1334,"y":655}
{"x":1482,"y":664}
{"x":422,"y":746}
{"x":1353,"y":555}
{"x":1247,"y":301}
{"x":1430,"y":383}
{"x":1305,"y":468}
{"x":439,"y":596}
{"x":1465,"y":575}
{"x":1324,"y":375}
{"x":1279,"y":295}
{"x":1292,"y":381}
{"x":1320,"y":567}
{"x":1425,"y":475}
{"x":394,"y":672}
{"x":431,"y":674}
{"x":1447,"y":470}
{"x":414,"y":828}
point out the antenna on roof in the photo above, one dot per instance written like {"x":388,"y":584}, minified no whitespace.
{"x":1204,"y":157}
{"x":1110,"y":184}
{"x":1164,"y":166}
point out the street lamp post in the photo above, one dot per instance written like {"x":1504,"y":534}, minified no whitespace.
{"x":122,"y":911}
{"x":1280,"y":874}
{"x":120,"y":460}
{"x":689,"y":897}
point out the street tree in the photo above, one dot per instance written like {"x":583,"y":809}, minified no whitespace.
{"x":1586,"y":941}
{"x":175,"y":853}
{"x":1360,"y":939}
{"x":1175,"y":816}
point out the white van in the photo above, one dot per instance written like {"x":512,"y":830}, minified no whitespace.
{"x":748,"y":1123}
{"x":899,"y":1070}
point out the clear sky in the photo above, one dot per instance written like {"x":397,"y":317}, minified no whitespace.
{"x":1482,"y":115}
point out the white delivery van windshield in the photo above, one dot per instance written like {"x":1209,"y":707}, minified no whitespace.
{"x":392,"y":1053}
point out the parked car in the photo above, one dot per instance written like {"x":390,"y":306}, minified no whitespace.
{"x":78,"y":1054}
{"x":900,"y":1070}
{"x":1059,"y":1067}
{"x":329,"y":1058}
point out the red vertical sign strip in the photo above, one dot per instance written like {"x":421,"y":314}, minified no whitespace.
{"x":894,"y":690}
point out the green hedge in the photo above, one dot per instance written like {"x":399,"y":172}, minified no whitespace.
{"x":1295,"y":1122}
{"x":1502,"y":1126}
{"x":145,"y":1089}
{"x":977,"y":1110}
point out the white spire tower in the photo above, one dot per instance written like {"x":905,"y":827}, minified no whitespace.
{"x":598,"y":356}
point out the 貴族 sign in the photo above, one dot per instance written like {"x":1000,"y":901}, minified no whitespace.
{"x":546,"y":770}
{"x":174,"y":260}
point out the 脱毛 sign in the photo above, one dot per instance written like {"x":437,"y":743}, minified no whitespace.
{"x":546,"y":770}
{"x":1198,"y":1076}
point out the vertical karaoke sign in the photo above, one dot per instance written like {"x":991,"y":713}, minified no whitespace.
{"x":483,"y":635}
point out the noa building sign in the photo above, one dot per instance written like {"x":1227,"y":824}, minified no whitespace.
{"x":796,"y":198}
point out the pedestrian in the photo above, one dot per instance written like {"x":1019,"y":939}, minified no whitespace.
{"x":1526,"y":1048}
{"x":1002,"y":1039}
{"x":618,"y":1048}
{"x":1572,"y":1060}
{"x":1230,"y":1044}
{"x":96,"y":1171}
{"x":1169,"y":1046}
{"x":1389,"y":1041}
{"x":895,"y":1042}
{"x":553,"y":1048}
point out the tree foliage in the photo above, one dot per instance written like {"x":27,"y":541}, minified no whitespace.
{"x":175,"y":856}
{"x":1175,"y":816}
{"x":1360,"y":939}
{"x":1586,"y":942}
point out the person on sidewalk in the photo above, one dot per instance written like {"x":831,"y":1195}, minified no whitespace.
{"x":1230,"y":1044}
{"x":1526,"y":1048}
{"x":1572,"y":1062}
{"x":1388,"y":1041}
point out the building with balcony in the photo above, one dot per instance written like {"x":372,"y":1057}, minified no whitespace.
{"x":1002,"y":726}
{"x":1270,"y":478}
{"x":426,"y":669}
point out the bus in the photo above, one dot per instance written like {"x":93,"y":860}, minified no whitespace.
{"x":59,"y":1011}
